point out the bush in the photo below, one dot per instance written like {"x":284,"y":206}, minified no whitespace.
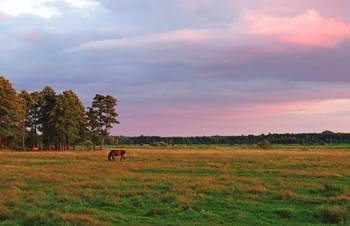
{"x":159,"y":144}
{"x":265,"y":144}
{"x":332,"y":188}
{"x":333,"y":215}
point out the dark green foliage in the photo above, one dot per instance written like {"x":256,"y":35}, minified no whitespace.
{"x":10,"y":117}
{"x":265,"y":144}
{"x":323,"y":138}
{"x":68,"y":120}
{"x":333,"y":214}
{"x":159,"y":144}
{"x":332,"y":188}
{"x":47,"y":128}
{"x":101,"y":117}
{"x":35,"y":117}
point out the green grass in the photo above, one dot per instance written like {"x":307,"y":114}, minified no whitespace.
{"x":176,"y":186}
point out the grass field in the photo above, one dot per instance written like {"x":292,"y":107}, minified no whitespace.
{"x":176,"y":186}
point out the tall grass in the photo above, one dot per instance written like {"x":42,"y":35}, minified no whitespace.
{"x":176,"y":186}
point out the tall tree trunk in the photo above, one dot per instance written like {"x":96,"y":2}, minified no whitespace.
{"x":36,"y":136}
{"x":23,"y":144}
{"x":1,"y":145}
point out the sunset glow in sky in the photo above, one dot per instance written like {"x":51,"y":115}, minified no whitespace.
{"x":187,"y":68}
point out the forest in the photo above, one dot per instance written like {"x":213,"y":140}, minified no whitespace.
{"x":323,"y":138}
{"x":50,"y":121}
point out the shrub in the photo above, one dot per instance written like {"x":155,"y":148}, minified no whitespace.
{"x":332,"y":188}
{"x":265,"y":144}
{"x":159,"y":144}
{"x":333,"y":214}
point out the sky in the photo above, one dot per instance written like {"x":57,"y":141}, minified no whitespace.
{"x":188,"y":68}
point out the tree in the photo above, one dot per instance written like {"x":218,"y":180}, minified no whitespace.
{"x":48,"y":102}
{"x":92,"y":126}
{"x":101,"y":116}
{"x":9,"y":118}
{"x":35,"y":116}
{"x":68,"y":120}
{"x":24,"y":102}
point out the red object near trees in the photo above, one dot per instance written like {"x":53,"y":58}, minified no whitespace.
{"x":35,"y":149}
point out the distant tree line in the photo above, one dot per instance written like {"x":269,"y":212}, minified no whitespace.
{"x":52,"y":121}
{"x":326,"y":137}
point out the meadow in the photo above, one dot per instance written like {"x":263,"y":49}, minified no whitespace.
{"x":176,"y":186}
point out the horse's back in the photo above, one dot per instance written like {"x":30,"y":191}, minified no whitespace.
{"x":118,"y":152}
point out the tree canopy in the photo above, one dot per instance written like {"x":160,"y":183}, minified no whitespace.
{"x":9,"y":113}
{"x":102,"y":116}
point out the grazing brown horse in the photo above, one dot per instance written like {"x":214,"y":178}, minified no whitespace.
{"x":113,"y":153}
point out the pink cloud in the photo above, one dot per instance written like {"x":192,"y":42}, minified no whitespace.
{"x":32,"y":35}
{"x":308,"y":28}
{"x":185,"y":35}
{"x":3,"y":16}
{"x":36,"y":34}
